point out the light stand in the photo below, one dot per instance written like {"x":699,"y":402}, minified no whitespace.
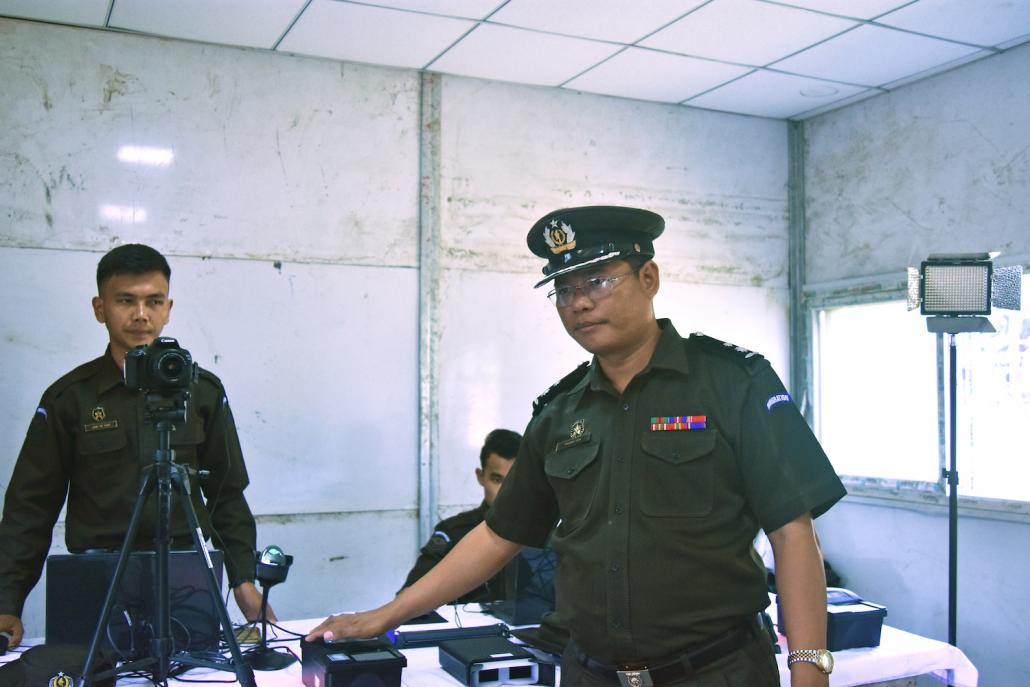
{"x":957,"y":291}
{"x":164,"y":411}
{"x":272,"y":568}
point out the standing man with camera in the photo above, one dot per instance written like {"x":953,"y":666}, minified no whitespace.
{"x":658,"y":462}
{"x":88,"y":441}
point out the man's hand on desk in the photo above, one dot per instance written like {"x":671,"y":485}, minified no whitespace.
{"x":11,"y":624}
{"x":351,"y":625}
{"x":248,"y":598}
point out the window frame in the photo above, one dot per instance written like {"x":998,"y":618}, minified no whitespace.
{"x":931,"y":497}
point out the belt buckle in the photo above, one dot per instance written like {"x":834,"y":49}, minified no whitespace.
{"x":635,"y":678}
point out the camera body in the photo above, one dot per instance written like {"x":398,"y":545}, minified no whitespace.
{"x":161,"y":367}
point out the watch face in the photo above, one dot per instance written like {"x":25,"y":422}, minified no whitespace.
{"x":825,"y":661}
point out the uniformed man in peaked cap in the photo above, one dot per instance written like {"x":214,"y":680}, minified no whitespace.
{"x":659,"y":461}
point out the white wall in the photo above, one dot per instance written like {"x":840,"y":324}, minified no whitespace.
{"x":510,"y":154}
{"x":941,"y":165}
{"x":290,"y":215}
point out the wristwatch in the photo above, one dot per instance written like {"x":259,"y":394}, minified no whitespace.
{"x":822,"y":658}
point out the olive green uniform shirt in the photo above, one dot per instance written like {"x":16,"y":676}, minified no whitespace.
{"x":88,"y":441}
{"x":655,"y":528}
{"x":446,"y":535}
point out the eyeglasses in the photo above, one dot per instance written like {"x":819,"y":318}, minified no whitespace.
{"x":595,"y":288}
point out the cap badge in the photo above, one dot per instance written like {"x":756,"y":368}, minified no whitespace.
{"x":578,"y":427}
{"x":559,"y":237}
{"x":99,"y":414}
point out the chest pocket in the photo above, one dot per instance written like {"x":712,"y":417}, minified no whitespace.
{"x":102,"y":441}
{"x":574,"y":472}
{"x":101,"y":453}
{"x":680,"y":469}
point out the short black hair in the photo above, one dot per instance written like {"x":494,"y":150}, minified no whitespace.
{"x":131,"y":258}
{"x":503,"y":442}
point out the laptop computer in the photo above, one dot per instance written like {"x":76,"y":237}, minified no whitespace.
{"x":529,"y":582}
{"x":77,"y":584}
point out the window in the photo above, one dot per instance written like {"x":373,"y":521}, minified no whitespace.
{"x":880,"y":385}
{"x":875,"y":386}
{"x":993,"y":444}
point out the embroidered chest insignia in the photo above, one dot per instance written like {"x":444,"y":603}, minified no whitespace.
{"x":99,"y":414}
{"x":578,"y":429}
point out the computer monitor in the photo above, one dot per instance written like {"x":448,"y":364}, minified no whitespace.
{"x":77,"y":584}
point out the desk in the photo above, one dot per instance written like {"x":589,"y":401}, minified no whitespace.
{"x":900,"y":654}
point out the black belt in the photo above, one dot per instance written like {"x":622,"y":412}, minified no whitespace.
{"x":690,"y":662}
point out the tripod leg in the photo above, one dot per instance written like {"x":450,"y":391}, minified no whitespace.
{"x":244,"y":673}
{"x":146,"y":487}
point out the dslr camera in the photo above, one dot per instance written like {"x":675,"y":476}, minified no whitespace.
{"x":161,"y":367}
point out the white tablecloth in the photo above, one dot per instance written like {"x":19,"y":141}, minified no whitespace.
{"x":900,"y":654}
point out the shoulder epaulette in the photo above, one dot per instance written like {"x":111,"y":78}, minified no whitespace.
{"x":565,"y":383}
{"x":209,"y":376}
{"x":749,"y":359}
{"x":80,"y":373}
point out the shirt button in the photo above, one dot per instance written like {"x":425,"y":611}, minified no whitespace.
{"x":618,"y":510}
{"x":569,"y":471}
{"x":614,"y":568}
{"x":625,"y":406}
{"x":616,"y":625}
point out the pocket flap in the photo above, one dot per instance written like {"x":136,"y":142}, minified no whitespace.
{"x":679,"y":447}
{"x":568,"y":461}
{"x":103,"y":441}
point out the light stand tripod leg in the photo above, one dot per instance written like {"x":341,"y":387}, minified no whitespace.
{"x":87,"y":677}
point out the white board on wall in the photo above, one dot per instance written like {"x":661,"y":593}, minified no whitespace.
{"x":319,"y":362}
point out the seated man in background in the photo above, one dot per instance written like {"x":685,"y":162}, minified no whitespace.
{"x":87,"y":441}
{"x":495,"y":458}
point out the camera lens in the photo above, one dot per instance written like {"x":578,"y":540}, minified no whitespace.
{"x":170,"y":367}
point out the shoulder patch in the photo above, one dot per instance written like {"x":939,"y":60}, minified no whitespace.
{"x":564,"y":384}
{"x":748,"y":358}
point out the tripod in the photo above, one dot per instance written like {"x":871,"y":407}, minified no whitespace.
{"x":164,"y":411}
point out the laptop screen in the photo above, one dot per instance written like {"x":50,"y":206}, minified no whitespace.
{"x":77,"y":584}
{"x":529,"y":578}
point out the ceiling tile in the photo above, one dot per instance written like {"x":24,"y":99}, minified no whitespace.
{"x":858,"y":9}
{"x":469,"y":9}
{"x":651,"y":75}
{"x":253,"y":23}
{"x":79,"y":12}
{"x":873,"y":56}
{"x":770,"y":94}
{"x":623,"y":21}
{"x":507,"y":54}
{"x":345,"y":31}
{"x":985,"y":22}
{"x":746,"y":31}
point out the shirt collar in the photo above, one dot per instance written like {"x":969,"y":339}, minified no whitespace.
{"x":668,"y":354}
{"x":109,"y":375}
